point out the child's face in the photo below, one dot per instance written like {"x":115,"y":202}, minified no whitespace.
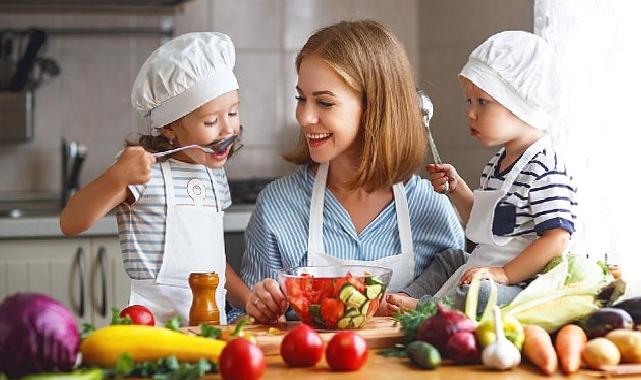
{"x":489,"y":121}
{"x":328,"y":111}
{"x":206,"y":124}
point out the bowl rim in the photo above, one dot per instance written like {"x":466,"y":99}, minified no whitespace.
{"x":281,"y":272}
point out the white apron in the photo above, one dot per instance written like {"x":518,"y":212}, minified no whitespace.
{"x":194,"y":242}
{"x":492,"y":251}
{"x":402,"y":264}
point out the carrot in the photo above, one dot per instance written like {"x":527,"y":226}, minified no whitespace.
{"x":569,"y":344}
{"x":539,"y":350}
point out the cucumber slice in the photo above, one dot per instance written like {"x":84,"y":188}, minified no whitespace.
{"x":365,"y":308}
{"x":344,"y":323}
{"x":352,"y":298}
{"x":358,"y":321}
{"x":373,"y":291}
{"x":346,"y":292}
{"x":372,"y":280}
{"x":351,"y":313}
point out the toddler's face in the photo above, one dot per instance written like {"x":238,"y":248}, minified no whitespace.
{"x":206,"y":124}
{"x":328,"y":111}
{"x":489,"y":121}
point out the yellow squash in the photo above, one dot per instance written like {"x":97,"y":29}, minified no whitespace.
{"x":144,"y":343}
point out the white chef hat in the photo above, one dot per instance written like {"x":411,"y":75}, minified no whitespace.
{"x":520,"y":71}
{"x":182,"y":75}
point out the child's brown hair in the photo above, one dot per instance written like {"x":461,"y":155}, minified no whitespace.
{"x":373,"y":63}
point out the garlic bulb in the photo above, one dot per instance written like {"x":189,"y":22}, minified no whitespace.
{"x":501,"y":354}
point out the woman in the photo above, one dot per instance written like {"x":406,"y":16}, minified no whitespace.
{"x":354,"y":198}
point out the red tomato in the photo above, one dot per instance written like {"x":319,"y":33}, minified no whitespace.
{"x":373,"y":306}
{"x":139,"y":315}
{"x":346,"y":351}
{"x":331,"y":311}
{"x":301,"y":347}
{"x":241,"y":360}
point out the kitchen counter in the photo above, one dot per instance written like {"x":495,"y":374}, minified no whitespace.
{"x":235,"y":220}
{"x":379,"y":367}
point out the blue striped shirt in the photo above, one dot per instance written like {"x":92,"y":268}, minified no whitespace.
{"x":276,"y":236}
{"x":141,"y":225}
{"x":542,"y":197}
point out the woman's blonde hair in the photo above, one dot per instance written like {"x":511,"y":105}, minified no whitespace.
{"x":373,"y":63}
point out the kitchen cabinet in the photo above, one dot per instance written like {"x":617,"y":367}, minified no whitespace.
{"x":85,"y":274}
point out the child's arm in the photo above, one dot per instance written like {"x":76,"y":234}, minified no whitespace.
{"x":237,"y":291}
{"x":107,"y":191}
{"x":459,"y":193}
{"x":528,"y":263}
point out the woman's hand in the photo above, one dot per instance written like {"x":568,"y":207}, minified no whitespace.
{"x":134,"y":166}
{"x":495,"y":273}
{"x":439,"y":174}
{"x":266,"y":302}
{"x":395,"y":302}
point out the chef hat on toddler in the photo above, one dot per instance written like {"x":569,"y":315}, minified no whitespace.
{"x":520,"y":71}
{"x":182,"y":75}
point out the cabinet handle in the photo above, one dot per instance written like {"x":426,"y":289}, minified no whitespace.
{"x":80,"y":261}
{"x":102,"y":259}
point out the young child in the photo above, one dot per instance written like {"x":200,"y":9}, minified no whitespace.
{"x":523,"y":214}
{"x":170,"y":209}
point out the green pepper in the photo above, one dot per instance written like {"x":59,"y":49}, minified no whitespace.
{"x":79,"y":374}
{"x":511,"y":326}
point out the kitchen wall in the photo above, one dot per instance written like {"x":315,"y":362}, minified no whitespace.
{"x":89,"y":101}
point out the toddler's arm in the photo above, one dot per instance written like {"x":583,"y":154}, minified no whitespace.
{"x":237,"y":291}
{"x":107,"y":191}
{"x":460,"y":193}
{"x":528,"y":263}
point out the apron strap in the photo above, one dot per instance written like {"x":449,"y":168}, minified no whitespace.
{"x":529,"y":153}
{"x":219,"y":205}
{"x":404,"y":224}
{"x":169,"y":183}
{"x":315,"y":241}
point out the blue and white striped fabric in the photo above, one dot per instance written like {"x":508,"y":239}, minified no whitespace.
{"x":543,"y":196}
{"x":141,"y":226}
{"x":277,"y":233}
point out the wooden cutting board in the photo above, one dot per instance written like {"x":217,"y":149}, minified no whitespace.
{"x":379,"y":332}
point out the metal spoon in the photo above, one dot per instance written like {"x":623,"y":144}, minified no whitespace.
{"x":427,"y":109}
{"x":217,"y":146}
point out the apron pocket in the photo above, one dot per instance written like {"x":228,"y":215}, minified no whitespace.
{"x":504,"y":220}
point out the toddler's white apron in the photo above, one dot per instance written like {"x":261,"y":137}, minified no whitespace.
{"x":194,"y":242}
{"x":492,"y":250}
{"x":401,"y":264}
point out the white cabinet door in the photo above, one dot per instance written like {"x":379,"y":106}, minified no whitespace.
{"x":110,"y":284}
{"x":58,"y":267}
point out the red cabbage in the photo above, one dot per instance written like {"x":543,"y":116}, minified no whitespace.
{"x":37,"y":333}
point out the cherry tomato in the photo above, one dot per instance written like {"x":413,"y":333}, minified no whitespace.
{"x":301,"y":347}
{"x":241,"y":360}
{"x":139,"y":315}
{"x":346,"y":351}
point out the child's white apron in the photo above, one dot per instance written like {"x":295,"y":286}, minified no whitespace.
{"x":401,"y":264}
{"x":492,"y":250}
{"x":194,"y":242}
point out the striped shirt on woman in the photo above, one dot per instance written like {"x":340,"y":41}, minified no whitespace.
{"x":277,"y":233}
{"x":141,"y":225}
{"x":542,"y":198}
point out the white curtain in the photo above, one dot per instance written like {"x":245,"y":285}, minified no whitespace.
{"x":599,"y":46}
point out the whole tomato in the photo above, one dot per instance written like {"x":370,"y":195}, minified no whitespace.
{"x":241,"y":360}
{"x":346,"y":351}
{"x":301,"y":347}
{"x":139,"y":315}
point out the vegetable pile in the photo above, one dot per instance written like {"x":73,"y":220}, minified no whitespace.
{"x":334,"y":303}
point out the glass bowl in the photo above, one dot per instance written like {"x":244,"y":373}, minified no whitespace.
{"x":335,"y":297}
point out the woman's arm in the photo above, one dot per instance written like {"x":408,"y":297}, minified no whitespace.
{"x":106,"y":192}
{"x":237,"y":291}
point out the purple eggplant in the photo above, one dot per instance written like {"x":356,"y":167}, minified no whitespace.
{"x":633,"y":307}
{"x":602,"y":321}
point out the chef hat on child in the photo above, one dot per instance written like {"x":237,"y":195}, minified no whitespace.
{"x":182,"y":75}
{"x":520,"y":71}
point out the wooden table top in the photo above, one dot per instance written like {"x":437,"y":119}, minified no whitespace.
{"x":382,"y":368}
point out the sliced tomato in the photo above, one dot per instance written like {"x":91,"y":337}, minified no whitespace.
{"x":358,"y":282}
{"x":373,"y":306}
{"x":292,"y":285}
{"x":331,"y":311}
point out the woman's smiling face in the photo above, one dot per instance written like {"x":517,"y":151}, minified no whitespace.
{"x":328,"y":111}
